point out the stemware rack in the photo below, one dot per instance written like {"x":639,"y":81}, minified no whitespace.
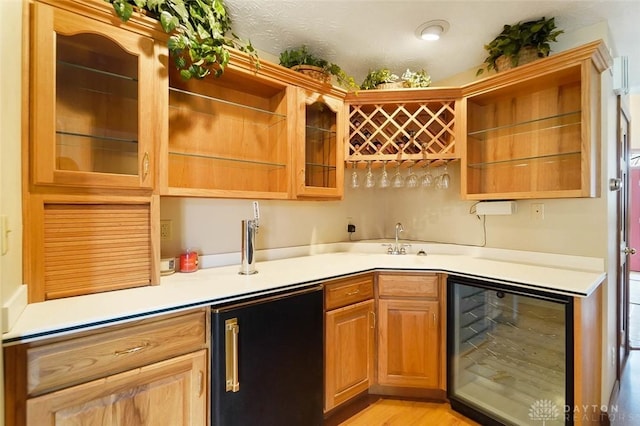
{"x":411,"y":128}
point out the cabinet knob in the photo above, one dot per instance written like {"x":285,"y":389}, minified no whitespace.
{"x":145,"y":166}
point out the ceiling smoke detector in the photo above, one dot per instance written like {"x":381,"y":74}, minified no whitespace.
{"x":432,"y":30}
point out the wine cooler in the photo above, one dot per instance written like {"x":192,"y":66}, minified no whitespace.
{"x":510,"y":353}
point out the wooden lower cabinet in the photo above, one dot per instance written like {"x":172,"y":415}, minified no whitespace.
{"x":349,"y":338}
{"x":152,"y":371}
{"x":410,"y":334}
{"x":171,"y":392}
{"x":409,"y":344}
{"x":349,"y":352}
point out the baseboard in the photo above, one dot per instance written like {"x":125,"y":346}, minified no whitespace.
{"x":13,"y":307}
{"x":349,"y":409}
{"x":435,"y":395}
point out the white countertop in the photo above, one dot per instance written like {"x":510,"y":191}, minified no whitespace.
{"x":568,"y":275}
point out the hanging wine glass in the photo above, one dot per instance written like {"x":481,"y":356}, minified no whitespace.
{"x":355,"y":180}
{"x":427,"y":179}
{"x":369,"y":179}
{"x":443,"y":179}
{"x":412,"y":179}
{"x":384,"y":177}
{"x":398,"y":181}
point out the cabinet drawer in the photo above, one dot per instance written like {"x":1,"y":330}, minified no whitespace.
{"x":346,"y":291}
{"x":64,"y":363}
{"x":400,"y":285}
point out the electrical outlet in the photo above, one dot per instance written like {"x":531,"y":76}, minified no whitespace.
{"x":537,"y":211}
{"x":165,"y":230}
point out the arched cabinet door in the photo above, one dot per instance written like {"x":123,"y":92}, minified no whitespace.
{"x":320,"y":146}
{"x":94,"y":113}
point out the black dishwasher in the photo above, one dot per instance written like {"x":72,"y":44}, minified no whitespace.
{"x":267,"y":366}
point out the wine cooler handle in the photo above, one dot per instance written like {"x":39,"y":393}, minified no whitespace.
{"x":231,"y":330}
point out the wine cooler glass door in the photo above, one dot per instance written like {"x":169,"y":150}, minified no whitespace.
{"x":507,"y":355}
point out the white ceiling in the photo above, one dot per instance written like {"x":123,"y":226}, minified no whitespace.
{"x":360,"y":35}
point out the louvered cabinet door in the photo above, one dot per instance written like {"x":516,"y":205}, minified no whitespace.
{"x":91,"y":246}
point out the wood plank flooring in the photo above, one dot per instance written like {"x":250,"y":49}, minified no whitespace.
{"x":393,"y":412}
{"x":627,"y":412}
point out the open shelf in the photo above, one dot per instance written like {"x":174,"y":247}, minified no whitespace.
{"x":554,"y":122}
{"x":526,"y":139}
{"x":526,"y":161}
{"x":228,"y":139}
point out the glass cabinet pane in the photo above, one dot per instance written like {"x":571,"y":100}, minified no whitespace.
{"x":320,"y":146}
{"x":96,"y":106}
{"x":508,"y":354}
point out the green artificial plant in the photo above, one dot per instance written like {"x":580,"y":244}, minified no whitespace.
{"x":376,"y":77}
{"x":536,"y":33}
{"x":301,"y":56}
{"x":415,"y":78}
{"x":199,"y":44}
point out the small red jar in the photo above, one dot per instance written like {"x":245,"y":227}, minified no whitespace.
{"x":189,"y":261}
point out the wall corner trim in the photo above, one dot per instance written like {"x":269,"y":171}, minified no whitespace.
{"x":13,"y":307}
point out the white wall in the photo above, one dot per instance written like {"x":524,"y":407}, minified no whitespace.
{"x":212,"y":226}
{"x":10,"y":160}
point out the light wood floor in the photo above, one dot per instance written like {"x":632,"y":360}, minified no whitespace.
{"x":392,"y":412}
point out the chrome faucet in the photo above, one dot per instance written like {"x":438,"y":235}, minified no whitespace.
{"x":399,"y":229}
{"x":397,"y":248}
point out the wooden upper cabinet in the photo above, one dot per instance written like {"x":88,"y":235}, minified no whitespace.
{"x":533,"y":131}
{"x":228,"y":136}
{"x":94,"y":112}
{"x":320,"y":141}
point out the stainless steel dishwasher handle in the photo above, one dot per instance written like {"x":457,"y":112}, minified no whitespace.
{"x":232,"y":329}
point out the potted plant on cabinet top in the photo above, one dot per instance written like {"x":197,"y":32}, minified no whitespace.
{"x":520,"y":43}
{"x":301,"y":60}
{"x":381,"y":78}
{"x":415,"y":78}
{"x":199,"y":44}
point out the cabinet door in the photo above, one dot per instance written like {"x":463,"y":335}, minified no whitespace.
{"x":93,"y":105}
{"x":320,"y":169}
{"x":348,"y":352}
{"x":171,"y":392}
{"x":409,"y":343}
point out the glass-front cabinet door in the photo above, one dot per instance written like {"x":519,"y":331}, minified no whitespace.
{"x":93,"y":122}
{"x":320,"y":156}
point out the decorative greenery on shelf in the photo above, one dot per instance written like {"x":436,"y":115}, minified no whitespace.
{"x":376,"y":77}
{"x":301,"y":56}
{"x":513,"y":38}
{"x":384,"y":75}
{"x":415,"y":78}
{"x":199,"y":44}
